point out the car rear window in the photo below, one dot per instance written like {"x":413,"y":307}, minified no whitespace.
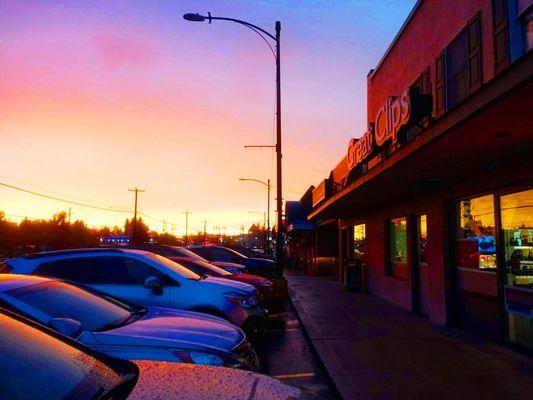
{"x":38,"y":366}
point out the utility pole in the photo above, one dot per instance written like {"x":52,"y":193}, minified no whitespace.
{"x":277,"y":55}
{"x":134,"y":233}
{"x":186,"y":226}
{"x":279,"y":195}
{"x":69,"y":214}
{"x":205,"y":226}
{"x":267,"y":250}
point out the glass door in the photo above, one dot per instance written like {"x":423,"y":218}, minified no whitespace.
{"x":475,"y":282}
{"x":517,"y":235}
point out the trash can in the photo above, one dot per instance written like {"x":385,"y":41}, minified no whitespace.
{"x":354,"y":276}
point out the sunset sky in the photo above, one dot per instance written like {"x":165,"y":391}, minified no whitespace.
{"x":100,"y":96}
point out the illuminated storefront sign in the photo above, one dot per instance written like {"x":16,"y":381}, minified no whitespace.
{"x":394,"y":114}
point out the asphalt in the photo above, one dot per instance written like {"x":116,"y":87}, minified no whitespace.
{"x":372,"y":349}
{"x":285,"y":354}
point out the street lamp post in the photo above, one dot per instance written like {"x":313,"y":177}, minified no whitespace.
{"x":267,"y":184}
{"x":276,"y":38}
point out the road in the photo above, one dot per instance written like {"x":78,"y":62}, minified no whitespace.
{"x":286,"y":355}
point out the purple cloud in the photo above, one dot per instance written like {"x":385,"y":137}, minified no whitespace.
{"x":117,"y":50}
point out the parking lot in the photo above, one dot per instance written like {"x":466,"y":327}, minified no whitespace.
{"x":286,"y":355}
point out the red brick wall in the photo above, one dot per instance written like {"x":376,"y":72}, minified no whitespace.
{"x":396,"y":290}
{"x":432,"y":28}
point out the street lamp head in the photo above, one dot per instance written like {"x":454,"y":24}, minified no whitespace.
{"x":194,"y":17}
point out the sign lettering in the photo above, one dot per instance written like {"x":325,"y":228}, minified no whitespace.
{"x":389,"y":119}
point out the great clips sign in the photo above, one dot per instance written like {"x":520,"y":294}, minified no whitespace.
{"x":395,"y":113}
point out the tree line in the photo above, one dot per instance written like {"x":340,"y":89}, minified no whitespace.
{"x":56,"y":233}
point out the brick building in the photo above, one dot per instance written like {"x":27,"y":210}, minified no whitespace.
{"x":436,"y":197}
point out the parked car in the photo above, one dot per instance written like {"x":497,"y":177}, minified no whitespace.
{"x":250,"y":253}
{"x":148,"y":279}
{"x":176,"y":251}
{"x":268,"y":295}
{"x":124,"y":330}
{"x":256,"y":266}
{"x":39,"y":363}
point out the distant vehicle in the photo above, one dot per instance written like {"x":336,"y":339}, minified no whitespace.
{"x":124,"y":330}
{"x":115,"y":241}
{"x":269,"y":296}
{"x":250,"y":253}
{"x":148,"y":279}
{"x":42,"y":364}
{"x":256,"y":266}
{"x":176,"y":251}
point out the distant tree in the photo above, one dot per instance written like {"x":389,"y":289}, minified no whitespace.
{"x":141,"y":234}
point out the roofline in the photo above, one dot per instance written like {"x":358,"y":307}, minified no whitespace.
{"x":396,"y":38}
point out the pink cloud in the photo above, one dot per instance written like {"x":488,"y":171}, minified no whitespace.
{"x":118,"y":50}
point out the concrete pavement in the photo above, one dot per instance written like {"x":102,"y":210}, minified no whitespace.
{"x":375,"y":350}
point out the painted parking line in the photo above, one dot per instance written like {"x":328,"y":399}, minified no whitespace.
{"x":293,"y":376}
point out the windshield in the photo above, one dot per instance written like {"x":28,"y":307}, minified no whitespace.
{"x":187,"y":253}
{"x":38,"y":366}
{"x":204,"y":268}
{"x":180,"y":270}
{"x":60,"y":300}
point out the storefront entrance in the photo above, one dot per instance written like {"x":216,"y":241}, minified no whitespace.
{"x":420,"y":267}
{"x":493,"y":273}
{"x":474,"y":278}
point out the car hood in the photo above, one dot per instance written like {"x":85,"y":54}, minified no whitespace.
{"x":263,"y":261}
{"x":231,"y":285}
{"x":252,"y":279}
{"x":165,"y":381}
{"x":223,"y":264}
{"x":169,"y":328}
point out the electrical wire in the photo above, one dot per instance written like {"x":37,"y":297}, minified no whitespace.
{"x":76,"y":203}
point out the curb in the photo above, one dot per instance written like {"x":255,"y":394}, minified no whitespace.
{"x":315,"y":353}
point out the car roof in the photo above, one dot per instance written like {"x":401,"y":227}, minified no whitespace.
{"x":14,"y":281}
{"x":55,"y":253}
{"x":58,"y":253}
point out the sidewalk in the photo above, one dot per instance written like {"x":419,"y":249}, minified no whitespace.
{"x":375,"y":350}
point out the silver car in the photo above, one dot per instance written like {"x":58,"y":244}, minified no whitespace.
{"x":148,"y":279}
{"x":124,"y":330}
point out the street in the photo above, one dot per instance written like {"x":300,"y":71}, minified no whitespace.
{"x":286,"y":355}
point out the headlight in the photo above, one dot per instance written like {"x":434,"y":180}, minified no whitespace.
{"x":244,"y":300}
{"x":266,"y":285}
{"x":206,"y":358}
{"x":197,"y":357}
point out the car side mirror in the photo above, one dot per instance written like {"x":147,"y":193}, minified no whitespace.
{"x":66,"y":326}
{"x":154,"y":283}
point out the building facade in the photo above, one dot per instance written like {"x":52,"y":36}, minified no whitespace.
{"x":436,"y":197}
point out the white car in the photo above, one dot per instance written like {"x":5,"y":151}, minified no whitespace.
{"x":148,"y":279}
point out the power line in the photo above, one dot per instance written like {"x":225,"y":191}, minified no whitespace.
{"x":76,"y":203}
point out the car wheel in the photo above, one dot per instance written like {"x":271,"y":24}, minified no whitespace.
{"x":255,"y":328}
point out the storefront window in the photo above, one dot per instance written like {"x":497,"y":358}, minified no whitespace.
{"x":422,"y":239}
{"x":359,"y":243}
{"x":517,"y":230}
{"x":398,"y":248}
{"x":476,"y":238}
